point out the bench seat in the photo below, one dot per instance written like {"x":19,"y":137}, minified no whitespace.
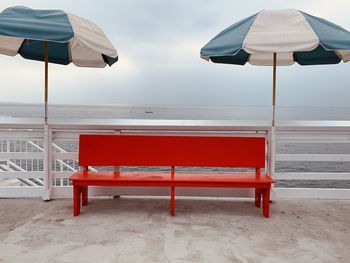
{"x":262,"y":183}
{"x":164,"y":179}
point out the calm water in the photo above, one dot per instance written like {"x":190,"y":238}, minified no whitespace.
{"x":175,"y":112}
{"x":217,"y":113}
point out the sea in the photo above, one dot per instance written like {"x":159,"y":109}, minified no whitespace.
{"x":184,"y":112}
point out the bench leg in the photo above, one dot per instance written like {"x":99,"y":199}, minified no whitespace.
{"x":76,"y":200}
{"x":84,"y":195}
{"x":172,"y":201}
{"x":257,"y":197}
{"x":266,"y":202}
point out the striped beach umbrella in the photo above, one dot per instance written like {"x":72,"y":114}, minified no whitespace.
{"x":279,"y":38}
{"x":54,"y":36}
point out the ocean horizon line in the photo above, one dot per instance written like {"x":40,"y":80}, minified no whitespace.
{"x":170,"y":105}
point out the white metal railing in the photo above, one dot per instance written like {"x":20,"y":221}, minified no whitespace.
{"x":36,"y":160}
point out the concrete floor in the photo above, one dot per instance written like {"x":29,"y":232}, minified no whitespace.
{"x":203,"y":230}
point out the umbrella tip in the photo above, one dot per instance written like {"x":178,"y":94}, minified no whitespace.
{"x":205,"y":58}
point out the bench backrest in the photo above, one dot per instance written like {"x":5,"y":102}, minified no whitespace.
{"x":147,"y":150}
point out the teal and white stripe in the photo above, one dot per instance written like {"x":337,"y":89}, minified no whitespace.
{"x":294,"y":35}
{"x":71,"y":38}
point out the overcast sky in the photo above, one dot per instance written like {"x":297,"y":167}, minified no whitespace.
{"x":158,"y":42}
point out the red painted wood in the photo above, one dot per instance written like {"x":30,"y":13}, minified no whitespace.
{"x":172,"y":201}
{"x":257,"y":197}
{"x":135,"y":150}
{"x":172,"y":193}
{"x":76,"y":198}
{"x":84,"y":195}
{"x":166,"y":178}
{"x":266,"y":203}
{"x":123,"y":150}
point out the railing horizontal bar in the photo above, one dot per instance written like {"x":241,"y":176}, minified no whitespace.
{"x":61,"y":175}
{"x":10,"y":175}
{"x":313,"y":193}
{"x":75,"y":136}
{"x":313,"y":141}
{"x":309,"y":125}
{"x":20,"y":135}
{"x":76,"y":124}
{"x":312,"y":176}
{"x":21,"y":155}
{"x":314,"y":157}
{"x":313,"y":136}
{"x":197,"y":132}
{"x":20,"y":191}
{"x":158,"y":124}
{"x":65,"y":156}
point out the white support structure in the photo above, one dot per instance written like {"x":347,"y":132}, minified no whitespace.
{"x":313,"y":157}
{"x":313,"y":176}
{"x":272,"y":159}
{"x":312,"y":193}
{"x":48,"y":181}
{"x":37,"y":154}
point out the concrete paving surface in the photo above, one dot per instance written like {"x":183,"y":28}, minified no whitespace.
{"x":203,"y":230}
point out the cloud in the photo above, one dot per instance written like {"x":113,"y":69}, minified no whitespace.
{"x":158,"y":43}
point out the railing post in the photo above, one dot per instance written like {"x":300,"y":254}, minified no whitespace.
{"x":8,"y":150}
{"x":272,"y":158}
{"x":47,"y":193}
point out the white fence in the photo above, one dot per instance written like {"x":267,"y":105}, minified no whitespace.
{"x":36,"y":160}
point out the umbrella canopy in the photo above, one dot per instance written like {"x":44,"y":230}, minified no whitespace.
{"x":279,"y":38}
{"x":294,"y":35}
{"x":54,"y":36}
{"x":70,"y":38}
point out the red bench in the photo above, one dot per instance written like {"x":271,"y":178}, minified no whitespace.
{"x":173,"y":151}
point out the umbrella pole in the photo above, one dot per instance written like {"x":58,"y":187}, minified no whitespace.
{"x":46,"y":57}
{"x":274,"y":89}
{"x":272,"y":145}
